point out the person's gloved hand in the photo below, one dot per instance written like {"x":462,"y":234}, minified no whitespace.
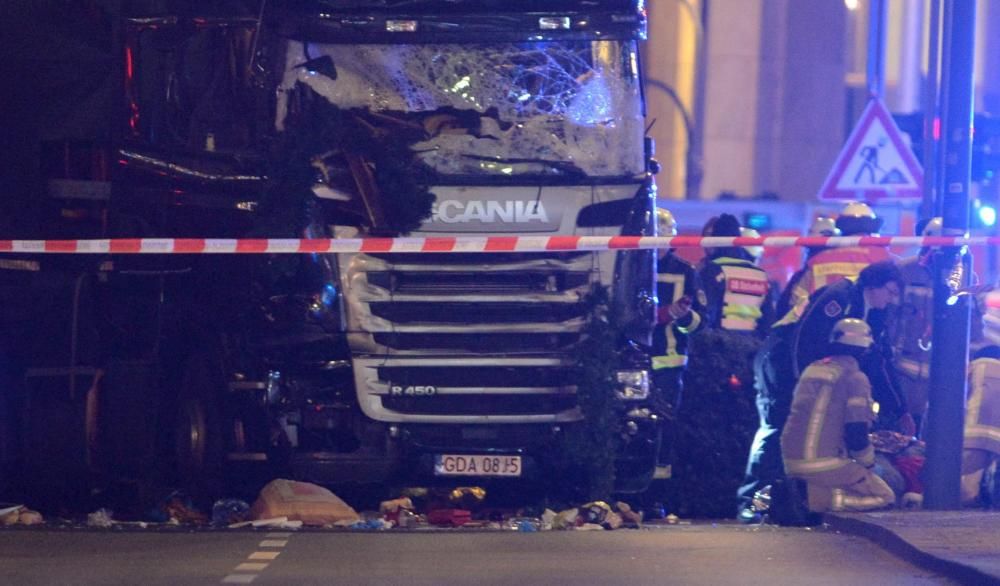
{"x":676,"y":310}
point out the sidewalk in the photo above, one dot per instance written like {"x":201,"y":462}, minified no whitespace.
{"x":962,"y":545}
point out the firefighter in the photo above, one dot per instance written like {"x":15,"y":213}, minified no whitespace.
{"x":821,"y":226}
{"x":679,"y":314}
{"x":981,"y":445}
{"x":825,"y":440}
{"x":911,"y":333}
{"x":833,"y":264}
{"x":792,"y":346}
{"x":738,"y":292}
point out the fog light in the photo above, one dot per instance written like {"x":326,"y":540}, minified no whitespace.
{"x":394,"y":431}
{"x":633,"y":385}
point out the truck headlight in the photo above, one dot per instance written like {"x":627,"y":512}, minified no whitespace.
{"x":633,"y":385}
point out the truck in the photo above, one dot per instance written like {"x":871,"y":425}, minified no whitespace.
{"x":331,"y":119}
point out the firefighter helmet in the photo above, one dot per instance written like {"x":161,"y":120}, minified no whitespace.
{"x":824,"y":226}
{"x":666,"y":225}
{"x":852,"y":331}
{"x":857,"y":219}
{"x":754,"y":251}
{"x":933,"y":227}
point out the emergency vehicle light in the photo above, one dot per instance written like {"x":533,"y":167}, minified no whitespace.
{"x":553,"y":23}
{"x":401,"y":26}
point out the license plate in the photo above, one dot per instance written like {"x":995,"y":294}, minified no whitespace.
{"x":476,"y":465}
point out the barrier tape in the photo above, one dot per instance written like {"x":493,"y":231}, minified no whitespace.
{"x":459,"y":244}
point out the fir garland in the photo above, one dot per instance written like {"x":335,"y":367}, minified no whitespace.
{"x":589,"y":448}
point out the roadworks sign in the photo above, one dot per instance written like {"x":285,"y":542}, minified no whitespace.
{"x":875,"y":164}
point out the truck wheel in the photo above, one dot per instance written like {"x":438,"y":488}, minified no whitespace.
{"x":198,"y":444}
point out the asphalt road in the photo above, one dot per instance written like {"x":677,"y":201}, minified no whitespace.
{"x":678,"y":554}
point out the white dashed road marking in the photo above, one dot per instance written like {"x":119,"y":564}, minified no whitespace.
{"x":249,"y":569}
{"x":263,"y":555}
{"x":251,"y":566}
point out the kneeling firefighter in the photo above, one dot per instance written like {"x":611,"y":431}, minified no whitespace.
{"x":825,"y":441}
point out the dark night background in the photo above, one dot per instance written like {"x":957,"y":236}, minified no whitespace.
{"x":59,"y":90}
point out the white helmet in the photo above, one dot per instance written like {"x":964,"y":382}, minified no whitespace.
{"x":851,"y":331}
{"x":754,"y":251}
{"x":824,"y":226}
{"x":666,"y":225}
{"x":857,"y":218}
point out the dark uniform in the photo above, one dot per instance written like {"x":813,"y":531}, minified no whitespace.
{"x":676,"y":284}
{"x":676,"y":281}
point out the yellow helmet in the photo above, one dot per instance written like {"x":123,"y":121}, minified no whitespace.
{"x":666,"y":225}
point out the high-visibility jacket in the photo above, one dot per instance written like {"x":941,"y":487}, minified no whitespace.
{"x":982,"y":413}
{"x":831,"y":393}
{"x":828,"y":267}
{"x":738,"y":293}
{"x":675,"y":279}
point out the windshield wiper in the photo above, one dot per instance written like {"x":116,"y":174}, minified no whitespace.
{"x":563,"y":167}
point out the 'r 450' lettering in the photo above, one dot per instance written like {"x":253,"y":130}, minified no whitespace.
{"x":412,"y":390}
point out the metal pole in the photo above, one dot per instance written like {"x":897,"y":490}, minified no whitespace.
{"x":950,"y":356}
{"x":931,"y":112}
{"x":875,"y":69}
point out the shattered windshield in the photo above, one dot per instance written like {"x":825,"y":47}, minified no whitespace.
{"x":551,"y":108}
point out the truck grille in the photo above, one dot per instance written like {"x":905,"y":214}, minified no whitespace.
{"x":488,"y":333}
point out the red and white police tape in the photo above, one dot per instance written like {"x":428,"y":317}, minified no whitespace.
{"x":457,"y":244}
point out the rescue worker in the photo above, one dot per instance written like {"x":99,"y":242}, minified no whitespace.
{"x":821,"y":226}
{"x":681,"y":303}
{"x":737,"y":290}
{"x":981,"y":445}
{"x":792,"y":346}
{"x":833,"y":264}
{"x":879,"y":288}
{"x":911,"y":333}
{"x":825,"y":440}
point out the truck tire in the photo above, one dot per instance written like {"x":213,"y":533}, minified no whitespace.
{"x":198,"y":431}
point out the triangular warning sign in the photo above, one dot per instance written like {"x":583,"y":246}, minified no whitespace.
{"x":875,"y":163}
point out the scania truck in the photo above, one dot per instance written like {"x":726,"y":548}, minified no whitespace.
{"x":349,"y":119}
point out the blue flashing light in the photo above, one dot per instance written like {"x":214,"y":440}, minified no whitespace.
{"x":987,"y":215}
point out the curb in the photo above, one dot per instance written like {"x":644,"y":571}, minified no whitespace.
{"x":903,"y":549}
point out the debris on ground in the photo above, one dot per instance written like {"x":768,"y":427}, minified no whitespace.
{"x":103,"y":518}
{"x":302,"y":501}
{"x":226,"y":512}
{"x":449,"y":517}
{"x":19,"y":515}
{"x":467,"y":497}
